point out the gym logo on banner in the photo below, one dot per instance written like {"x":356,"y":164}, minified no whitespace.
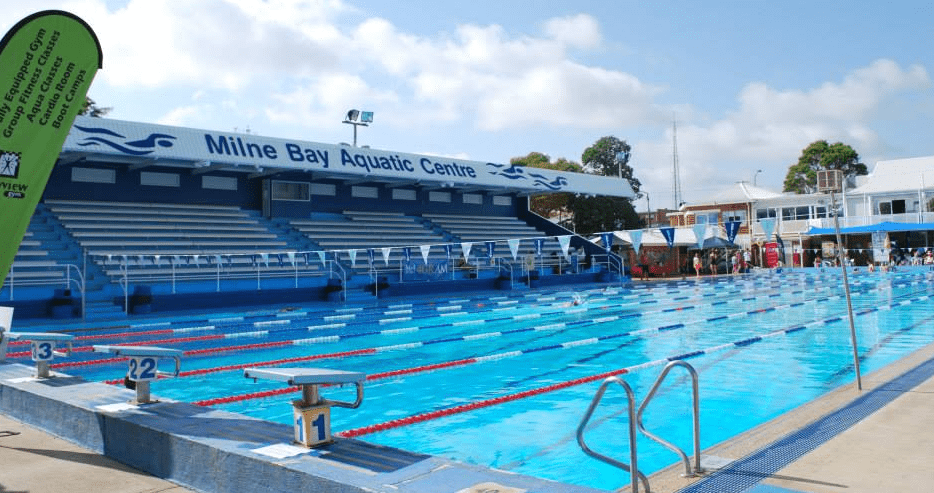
{"x":47,"y":63}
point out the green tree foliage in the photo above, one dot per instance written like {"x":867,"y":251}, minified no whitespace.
{"x":599,"y":214}
{"x":802,"y":177}
{"x":548,"y":204}
{"x":609,"y":156}
{"x":91,"y":108}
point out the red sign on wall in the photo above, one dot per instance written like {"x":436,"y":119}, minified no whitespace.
{"x":771,"y":254}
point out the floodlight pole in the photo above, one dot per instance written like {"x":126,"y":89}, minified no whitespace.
{"x":355,"y":125}
{"x":846,"y":290}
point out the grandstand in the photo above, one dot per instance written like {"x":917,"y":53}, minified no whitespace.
{"x":139,"y":217}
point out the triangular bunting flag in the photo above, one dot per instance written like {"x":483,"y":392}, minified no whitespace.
{"x":513,"y":247}
{"x":426,"y":249}
{"x":386,"y":251}
{"x":564,"y":241}
{"x":636,"y":238}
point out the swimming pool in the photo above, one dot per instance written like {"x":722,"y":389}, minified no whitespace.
{"x":503,"y":381}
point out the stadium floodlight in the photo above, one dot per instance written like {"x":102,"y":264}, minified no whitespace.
{"x":366,"y":117}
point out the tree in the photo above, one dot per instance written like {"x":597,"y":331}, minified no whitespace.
{"x":91,"y":109}
{"x":548,"y":204}
{"x":599,"y":214}
{"x":609,"y":156}
{"x":802,"y":177}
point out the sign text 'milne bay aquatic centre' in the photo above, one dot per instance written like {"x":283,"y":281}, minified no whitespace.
{"x":207,"y":148}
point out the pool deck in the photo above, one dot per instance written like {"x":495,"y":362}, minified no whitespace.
{"x":203,"y":449}
{"x":877,"y":439}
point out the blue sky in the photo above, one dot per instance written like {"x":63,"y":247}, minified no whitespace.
{"x":750,"y":84}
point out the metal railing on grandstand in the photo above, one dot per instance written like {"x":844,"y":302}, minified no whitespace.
{"x":221,"y":267}
{"x":67,"y":276}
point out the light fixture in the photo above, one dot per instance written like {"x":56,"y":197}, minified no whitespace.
{"x":366,"y":117}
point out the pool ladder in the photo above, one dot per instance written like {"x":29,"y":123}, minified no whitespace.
{"x":635,"y":420}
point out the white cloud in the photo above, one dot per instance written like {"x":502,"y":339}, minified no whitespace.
{"x":770,"y":127}
{"x":580,"y":30}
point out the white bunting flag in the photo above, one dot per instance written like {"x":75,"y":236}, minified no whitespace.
{"x":386,"y":251}
{"x":425,"y":250}
{"x":565,"y":241}
{"x":513,"y":247}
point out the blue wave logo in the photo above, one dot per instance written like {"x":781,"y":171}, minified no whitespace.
{"x":516,"y":172}
{"x":142,"y":147}
{"x":556,"y":184}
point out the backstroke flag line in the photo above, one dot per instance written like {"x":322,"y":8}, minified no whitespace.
{"x":47,"y":63}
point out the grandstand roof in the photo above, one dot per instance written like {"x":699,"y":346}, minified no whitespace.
{"x":202,"y":151}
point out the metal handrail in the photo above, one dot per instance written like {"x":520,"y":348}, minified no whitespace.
{"x":67,"y":280}
{"x":342,"y":275}
{"x":633,"y":470}
{"x":695,"y":412}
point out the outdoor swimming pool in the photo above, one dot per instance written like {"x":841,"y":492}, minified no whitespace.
{"x":503,"y":381}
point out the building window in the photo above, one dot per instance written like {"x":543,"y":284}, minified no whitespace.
{"x":326,"y":189}
{"x":159,"y":179}
{"x":291,"y":190}
{"x":734,"y":216}
{"x":93,"y":175}
{"x":766,"y":213}
{"x":439,"y":196}
{"x":403,"y":194}
{"x":364,"y":192}
{"x":503,"y":200}
{"x":472,"y":198}
{"x":219,"y":182}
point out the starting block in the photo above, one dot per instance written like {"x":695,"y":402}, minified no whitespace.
{"x":43,"y":347}
{"x":312,"y":413}
{"x":144,"y":366}
{"x":6,"y":322}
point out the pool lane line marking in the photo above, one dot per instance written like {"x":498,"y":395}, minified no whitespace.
{"x":440,"y":413}
{"x":509,"y":354}
{"x":358,"y":309}
{"x":231,"y":335}
{"x":395,"y":347}
{"x":312,"y":340}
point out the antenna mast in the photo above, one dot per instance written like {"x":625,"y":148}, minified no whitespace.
{"x":676,"y":188}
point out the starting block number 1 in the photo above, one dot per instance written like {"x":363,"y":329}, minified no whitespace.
{"x":312,"y":425}
{"x":142,"y":369}
{"x":42,"y":350}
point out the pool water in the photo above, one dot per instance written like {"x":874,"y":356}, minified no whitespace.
{"x":762,"y":345}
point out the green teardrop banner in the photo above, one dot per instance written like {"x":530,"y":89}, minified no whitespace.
{"x":47,"y":63}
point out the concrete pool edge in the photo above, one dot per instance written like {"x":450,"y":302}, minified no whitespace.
{"x":772,"y":433}
{"x":211,"y":450}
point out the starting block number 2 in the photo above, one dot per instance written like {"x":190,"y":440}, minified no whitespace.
{"x":142,"y":369}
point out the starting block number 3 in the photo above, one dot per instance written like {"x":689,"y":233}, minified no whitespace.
{"x":42,"y":350}
{"x":142,"y":369}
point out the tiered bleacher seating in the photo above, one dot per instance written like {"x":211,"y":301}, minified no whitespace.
{"x":478,"y":229}
{"x":33,"y":266}
{"x":190,"y":238}
{"x":358,"y":230}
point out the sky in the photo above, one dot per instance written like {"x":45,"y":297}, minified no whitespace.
{"x":748,"y":84}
